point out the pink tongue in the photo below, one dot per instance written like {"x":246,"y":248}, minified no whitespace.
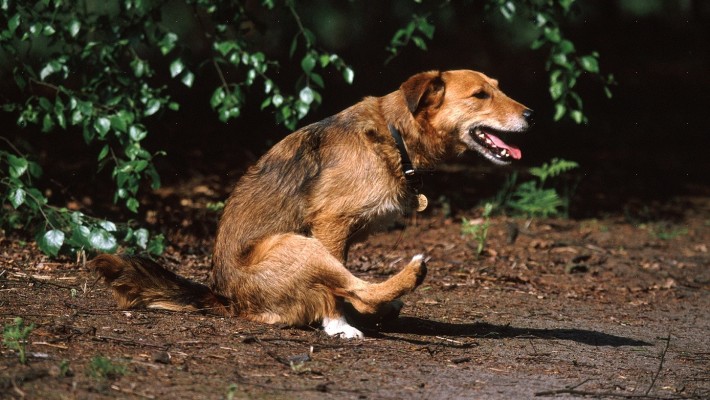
{"x":514,"y":151}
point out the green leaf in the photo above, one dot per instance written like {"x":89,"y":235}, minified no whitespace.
{"x":73,"y":27}
{"x":426,"y":28}
{"x":17,"y":197}
{"x":308,"y":63}
{"x":156,"y":245}
{"x":188,"y":78}
{"x":607,"y":92}
{"x":225,"y":47}
{"x":590,"y":64}
{"x":348,"y":75}
{"x":18,"y":165}
{"x":61,"y":120}
{"x":132,"y":204}
{"x":168,"y":43}
{"x":552,"y":34}
{"x":566,"y":47}
{"x":102,"y":240}
{"x":176,"y":67}
{"x":317,"y":79}
{"x":566,"y":4}
{"x":218,"y":97}
{"x":537,"y":43}
{"x":102,"y":126}
{"x":141,"y":236}
{"x":80,"y":235}
{"x":560,"y":111}
{"x":13,"y":23}
{"x":50,"y":68}
{"x":34,"y":169}
{"x":151,"y":108}
{"x":277,"y":99}
{"x":577,"y":116}
{"x":108,"y":226}
{"x":139,"y":67}
{"x":419,"y":42}
{"x":302,"y":109}
{"x":77,"y":217}
{"x":508,"y":10}
{"x":51,"y":242}
{"x":556,"y":90}
{"x":104,"y":152}
{"x":49,"y":30}
{"x":306,"y":95}
{"x":294,"y":46}
{"x":119,"y":121}
{"x":137,"y":133}
{"x":268,"y":86}
{"x":47,"y":123}
{"x":561,"y":60}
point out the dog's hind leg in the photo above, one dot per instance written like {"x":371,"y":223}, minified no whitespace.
{"x":295,"y":280}
{"x":381,"y":298}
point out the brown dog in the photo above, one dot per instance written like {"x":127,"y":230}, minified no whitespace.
{"x":284,"y":235}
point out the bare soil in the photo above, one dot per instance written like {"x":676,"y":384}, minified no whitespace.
{"x":610,"y":307}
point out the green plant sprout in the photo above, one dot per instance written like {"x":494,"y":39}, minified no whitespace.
{"x":478,"y":229}
{"x":102,"y":368}
{"x":15,"y":337}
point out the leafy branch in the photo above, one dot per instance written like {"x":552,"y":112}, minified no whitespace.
{"x":565,"y":64}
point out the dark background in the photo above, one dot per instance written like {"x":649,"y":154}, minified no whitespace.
{"x":642,"y":149}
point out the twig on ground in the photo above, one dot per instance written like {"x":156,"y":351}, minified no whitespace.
{"x":129,"y":342}
{"x":660,"y":364}
{"x":605,"y":394}
{"x":449,"y":340}
{"x":35,"y":279}
{"x":131,"y":392}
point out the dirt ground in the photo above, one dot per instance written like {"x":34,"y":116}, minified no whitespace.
{"x":610,"y":307}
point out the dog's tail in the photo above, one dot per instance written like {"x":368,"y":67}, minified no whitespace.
{"x":138,"y":282}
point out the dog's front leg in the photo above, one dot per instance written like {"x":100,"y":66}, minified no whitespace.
{"x":334,"y":237}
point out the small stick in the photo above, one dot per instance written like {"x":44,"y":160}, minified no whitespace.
{"x":449,"y":340}
{"x":660,"y":364}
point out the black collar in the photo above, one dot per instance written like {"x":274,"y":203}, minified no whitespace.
{"x":407,"y":166}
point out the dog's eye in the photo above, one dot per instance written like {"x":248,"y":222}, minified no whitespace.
{"x":481,"y":94}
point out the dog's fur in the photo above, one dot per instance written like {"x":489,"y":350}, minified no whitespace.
{"x":284,"y":235}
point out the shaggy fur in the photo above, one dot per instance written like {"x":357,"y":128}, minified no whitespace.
{"x":284,"y":235}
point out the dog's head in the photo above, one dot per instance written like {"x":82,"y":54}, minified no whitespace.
{"x":468,"y":110}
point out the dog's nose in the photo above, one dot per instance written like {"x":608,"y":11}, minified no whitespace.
{"x":528,"y":114}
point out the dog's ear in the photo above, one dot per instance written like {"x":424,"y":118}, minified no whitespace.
{"x":425,"y":89}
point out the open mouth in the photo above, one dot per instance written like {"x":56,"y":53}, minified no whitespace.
{"x":492,"y":146}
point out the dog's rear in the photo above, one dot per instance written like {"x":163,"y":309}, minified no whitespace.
{"x":284,"y":234}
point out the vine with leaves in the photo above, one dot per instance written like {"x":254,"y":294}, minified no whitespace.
{"x":106,"y":69}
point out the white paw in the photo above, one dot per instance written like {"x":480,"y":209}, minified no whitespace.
{"x":339,"y":327}
{"x":418,"y":257}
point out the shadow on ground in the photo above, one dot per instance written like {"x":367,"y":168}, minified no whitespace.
{"x":482,"y":330}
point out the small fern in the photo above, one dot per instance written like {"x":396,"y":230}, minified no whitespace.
{"x":15,"y":337}
{"x":556,"y":167}
{"x":532,"y":198}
